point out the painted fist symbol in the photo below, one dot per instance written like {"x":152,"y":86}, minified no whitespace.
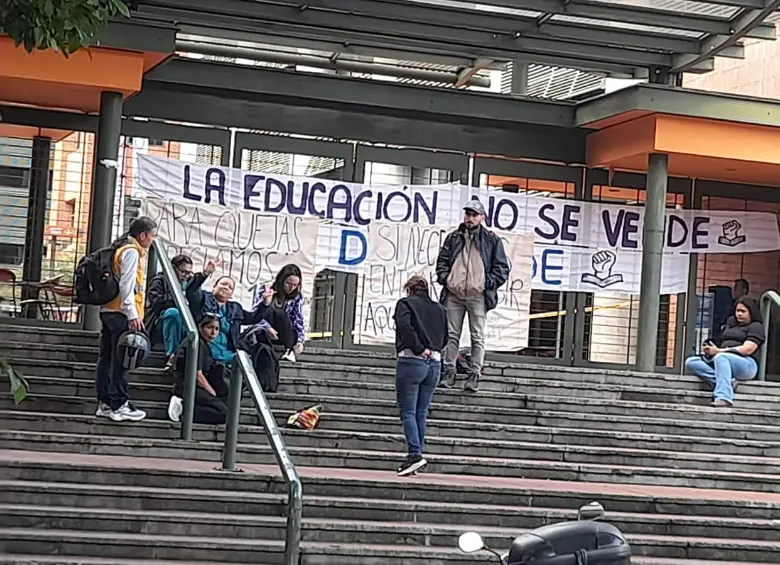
{"x":603,"y":262}
{"x":731,"y":229}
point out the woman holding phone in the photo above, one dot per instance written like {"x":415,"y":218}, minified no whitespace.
{"x":736,"y":359}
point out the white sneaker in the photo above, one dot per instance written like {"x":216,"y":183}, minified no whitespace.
{"x":127,"y":412}
{"x":103,"y":410}
{"x":175,"y":408}
{"x":289,"y":356}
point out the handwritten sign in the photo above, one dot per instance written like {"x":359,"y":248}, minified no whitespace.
{"x":399,"y":251}
{"x":249,"y":247}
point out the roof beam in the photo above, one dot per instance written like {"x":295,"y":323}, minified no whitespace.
{"x":416,"y":29}
{"x":715,"y":45}
{"x":327,"y":91}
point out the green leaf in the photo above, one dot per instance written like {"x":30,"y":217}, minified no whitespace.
{"x":49,"y":24}
{"x":19,"y":385}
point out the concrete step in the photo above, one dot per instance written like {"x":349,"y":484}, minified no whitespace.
{"x":232,"y":550}
{"x":179,"y":516}
{"x":59,"y":474}
{"x":479,"y":424}
{"x":501,"y":391}
{"x":30,"y":354}
{"x":382,"y":397}
{"x":389,"y":427}
{"x":81,"y":560}
{"x":70,"y":336}
{"x":566,"y":463}
{"x":241,"y":533}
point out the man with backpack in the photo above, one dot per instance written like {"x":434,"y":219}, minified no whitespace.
{"x":123,"y":312}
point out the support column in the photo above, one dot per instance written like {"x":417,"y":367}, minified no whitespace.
{"x":36,"y":221}
{"x":514,"y":80}
{"x":652,"y":258}
{"x":104,"y":171}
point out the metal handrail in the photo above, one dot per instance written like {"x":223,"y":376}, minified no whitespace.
{"x":242,"y":368}
{"x":767,"y":299}
{"x":190,"y":341}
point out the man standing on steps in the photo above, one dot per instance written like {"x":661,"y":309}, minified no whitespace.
{"x":123,"y":313}
{"x":471,"y":266}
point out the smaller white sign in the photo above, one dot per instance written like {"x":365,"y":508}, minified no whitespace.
{"x":399,"y":251}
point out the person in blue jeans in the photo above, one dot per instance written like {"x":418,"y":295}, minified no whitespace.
{"x":736,"y":359}
{"x":420,"y":337}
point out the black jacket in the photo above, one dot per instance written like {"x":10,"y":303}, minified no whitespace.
{"x":158,"y":299}
{"x":420,"y":324}
{"x":204,"y":302}
{"x":491,"y":249}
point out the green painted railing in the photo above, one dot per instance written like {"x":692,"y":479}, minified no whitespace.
{"x":243,"y":369}
{"x":158,"y":257}
{"x":767,"y":299}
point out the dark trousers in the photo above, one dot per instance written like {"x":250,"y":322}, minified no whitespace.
{"x":111,"y":377}
{"x":280,"y":321}
{"x":211,"y":409}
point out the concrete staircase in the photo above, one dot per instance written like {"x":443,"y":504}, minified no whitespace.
{"x":686,"y":483}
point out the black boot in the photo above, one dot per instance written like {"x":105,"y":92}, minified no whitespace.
{"x":448,"y":376}
{"x":472,"y":382}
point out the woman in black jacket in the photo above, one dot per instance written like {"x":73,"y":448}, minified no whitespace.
{"x":163,"y":320}
{"x":420,"y":338}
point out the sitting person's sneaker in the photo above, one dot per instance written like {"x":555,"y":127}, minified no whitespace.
{"x":472,"y":382}
{"x":289,"y":356}
{"x":448,"y":376}
{"x":127,"y":412}
{"x":103,"y":410}
{"x":175,"y":408}
{"x":411,"y":465}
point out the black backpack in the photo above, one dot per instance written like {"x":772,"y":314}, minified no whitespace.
{"x":95,"y":282}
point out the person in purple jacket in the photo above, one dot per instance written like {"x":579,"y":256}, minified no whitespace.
{"x":283,"y":324}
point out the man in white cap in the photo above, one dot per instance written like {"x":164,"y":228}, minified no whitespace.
{"x":471,"y":266}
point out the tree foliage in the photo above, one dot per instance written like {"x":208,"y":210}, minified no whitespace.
{"x":60,"y":25}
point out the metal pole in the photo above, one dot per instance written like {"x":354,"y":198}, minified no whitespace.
{"x":519,"y":81}
{"x":190,"y":368}
{"x":233,"y":417}
{"x":101,"y":209}
{"x":36,"y":221}
{"x":652,"y":259}
{"x":292,"y":541}
{"x":152,"y":262}
{"x":766,"y":310}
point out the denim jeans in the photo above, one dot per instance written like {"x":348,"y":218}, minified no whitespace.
{"x":719,"y":372}
{"x":111,"y":377}
{"x":172,"y":329}
{"x":415,"y":382}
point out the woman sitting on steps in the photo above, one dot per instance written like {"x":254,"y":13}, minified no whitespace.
{"x":737,"y":357}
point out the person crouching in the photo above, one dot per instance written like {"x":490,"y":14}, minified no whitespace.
{"x":420,"y":336}
{"x":212,"y":380}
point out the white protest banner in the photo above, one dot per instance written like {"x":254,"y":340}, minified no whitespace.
{"x":552,"y":220}
{"x":345,"y":209}
{"x":592,"y":225}
{"x":398,"y":251}
{"x":249,"y":247}
{"x":605,"y":271}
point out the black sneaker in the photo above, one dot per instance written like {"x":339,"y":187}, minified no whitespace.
{"x":472,"y":383}
{"x":448,"y":376}
{"x":411,"y":465}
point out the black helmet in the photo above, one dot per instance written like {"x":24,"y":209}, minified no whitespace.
{"x":133,"y":349}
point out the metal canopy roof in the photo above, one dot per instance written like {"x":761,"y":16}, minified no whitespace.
{"x":617,"y":37}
